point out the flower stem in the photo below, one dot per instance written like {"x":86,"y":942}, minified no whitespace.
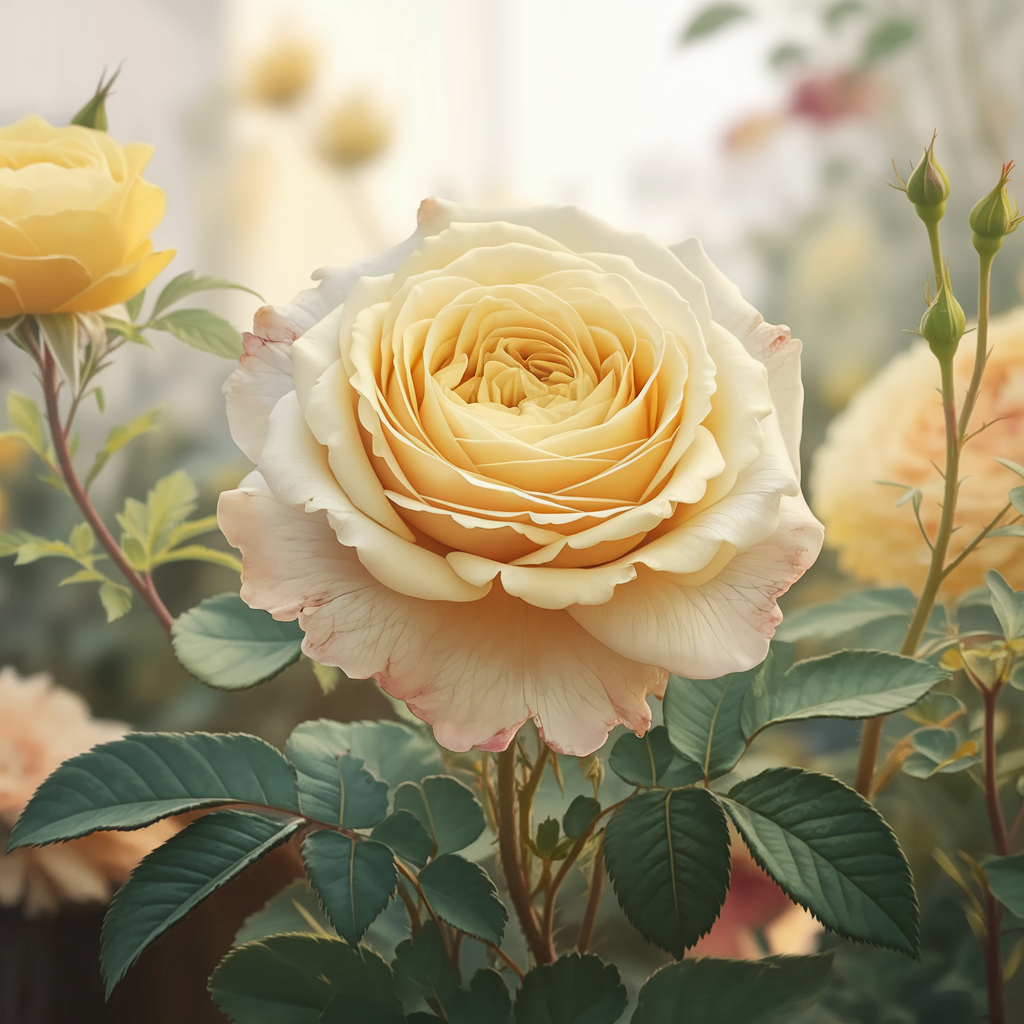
{"x":994,"y":959}
{"x":981,"y":351}
{"x":143,"y":586}
{"x":508,"y":845}
{"x":936,"y":247}
{"x":872,"y":734}
{"x":586,"y":932}
{"x":1000,"y":835}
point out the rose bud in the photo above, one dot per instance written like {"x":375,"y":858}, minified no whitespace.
{"x":928,"y":187}
{"x":943,"y":323}
{"x":994,"y":216}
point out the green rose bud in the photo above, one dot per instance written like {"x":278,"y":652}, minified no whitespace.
{"x":943,"y":323}
{"x":94,"y":113}
{"x":928,"y":187}
{"x":994,"y":216}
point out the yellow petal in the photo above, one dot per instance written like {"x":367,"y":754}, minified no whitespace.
{"x":118,"y":286}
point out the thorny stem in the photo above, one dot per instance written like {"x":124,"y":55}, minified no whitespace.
{"x":508,"y":846}
{"x":586,"y":932}
{"x":872,"y":734}
{"x":415,"y":923}
{"x":981,"y":352}
{"x":526,"y":795}
{"x":143,"y":586}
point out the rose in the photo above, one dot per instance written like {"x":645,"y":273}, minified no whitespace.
{"x":893,"y":430}
{"x":521,"y":465}
{"x":75,"y":219}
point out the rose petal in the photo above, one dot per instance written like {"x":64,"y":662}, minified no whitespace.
{"x":264,"y":375}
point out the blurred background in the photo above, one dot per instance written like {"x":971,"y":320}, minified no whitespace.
{"x":291,"y":135}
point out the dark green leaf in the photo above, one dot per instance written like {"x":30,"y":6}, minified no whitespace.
{"x":668,"y":858}
{"x":887,"y":38}
{"x":359,"y":1009}
{"x":334,"y":787}
{"x":188,"y":284}
{"x":354,"y":880}
{"x":831,"y":852}
{"x":573,"y":990}
{"x":1008,"y":604}
{"x":422,"y":963}
{"x":703,"y":720}
{"x":582,"y":811}
{"x":847,"y":684}
{"x":446,"y":808}
{"x":147,"y":776}
{"x":710,"y":991}
{"x":936,"y":751}
{"x":1006,"y":880}
{"x":711,"y":19}
{"x":292,"y":979}
{"x":294,"y":909}
{"x":487,"y":1001}
{"x":392,"y":751}
{"x":176,"y":877}
{"x":402,"y":833}
{"x":463,"y":894}
{"x":225,"y":643}
{"x":202,"y":330}
{"x":846,"y":614}
{"x":547,"y":837}
{"x":649,"y":760}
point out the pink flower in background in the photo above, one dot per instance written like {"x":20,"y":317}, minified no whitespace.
{"x":522,"y":465}
{"x":42,"y":725}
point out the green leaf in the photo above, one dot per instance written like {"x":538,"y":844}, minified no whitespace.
{"x":1008,"y":604}
{"x":354,"y":880}
{"x":225,"y":643}
{"x":703,"y":720}
{"x":144,"y":777}
{"x":176,"y":877}
{"x":202,"y":330}
{"x":403,"y":834}
{"x":116,"y":600}
{"x":836,"y":13}
{"x":1006,"y":880}
{"x":463,"y":895}
{"x":547,"y":837}
{"x":359,"y":1009}
{"x":1015,"y":467}
{"x":60,"y":330}
{"x":487,"y":1000}
{"x":847,"y":613}
{"x":296,"y":908}
{"x":391,"y":751}
{"x":121,"y":435}
{"x":199,"y":553}
{"x":934,"y":708}
{"x":1015,"y":530}
{"x":667,"y":855}
{"x":887,"y":38}
{"x":1016,"y":497}
{"x":711,"y":19}
{"x":847,"y":684}
{"x":939,"y":750}
{"x":134,"y":305}
{"x":831,"y":852}
{"x":27,"y":420}
{"x":573,"y":990}
{"x":582,"y":811}
{"x":767,"y":991}
{"x":292,"y":979}
{"x":12,"y":541}
{"x":188,"y":284}
{"x":787,"y":55}
{"x":445,"y":807}
{"x":82,"y":540}
{"x":334,"y":787}
{"x":423,"y":965}
{"x":649,"y":760}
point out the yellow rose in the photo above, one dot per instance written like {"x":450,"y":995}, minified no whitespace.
{"x":893,"y":430}
{"x":522,"y":466}
{"x":75,"y":219}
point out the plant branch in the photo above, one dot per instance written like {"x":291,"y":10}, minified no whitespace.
{"x":142,"y":586}
{"x":526,"y":795}
{"x":508,"y":847}
{"x":586,"y":932}
{"x":415,"y":883}
{"x":977,"y":540}
{"x":1000,"y":837}
{"x":994,"y":959}
{"x":981,"y":351}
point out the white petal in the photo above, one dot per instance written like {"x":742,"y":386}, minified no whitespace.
{"x":264,"y":375}
{"x":476,"y":671}
{"x":723,"y":625}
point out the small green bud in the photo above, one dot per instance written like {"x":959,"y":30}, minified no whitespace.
{"x":944,"y":323}
{"x":928,"y":187}
{"x":94,"y":113}
{"x":994,"y":216}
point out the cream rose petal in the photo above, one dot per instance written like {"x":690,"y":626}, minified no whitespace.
{"x":724,"y":624}
{"x":475,"y":676}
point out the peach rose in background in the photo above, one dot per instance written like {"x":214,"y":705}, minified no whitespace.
{"x":42,"y":725}
{"x":522,"y":465}
{"x":893,"y":430}
{"x":75,"y":219}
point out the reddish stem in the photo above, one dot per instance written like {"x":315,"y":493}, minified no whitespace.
{"x":508,"y":836}
{"x":586,"y":932}
{"x":142,"y":586}
{"x":1000,"y":836}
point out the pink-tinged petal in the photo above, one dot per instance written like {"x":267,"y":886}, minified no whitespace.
{"x":723,"y":624}
{"x":475,"y":672}
{"x":769,"y":344}
{"x":264,"y":375}
{"x":286,"y":323}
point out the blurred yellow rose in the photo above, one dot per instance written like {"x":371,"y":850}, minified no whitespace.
{"x":893,"y":430}
{"x":75,"y":219}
